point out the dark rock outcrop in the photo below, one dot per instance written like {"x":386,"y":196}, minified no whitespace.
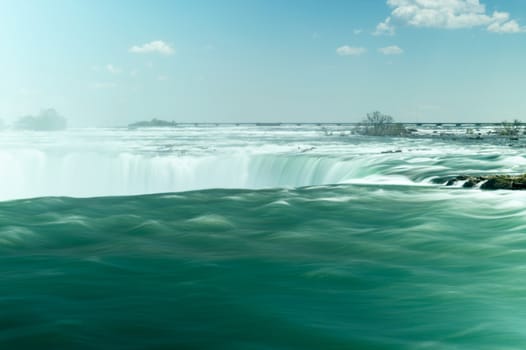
{"x":486,"y":182}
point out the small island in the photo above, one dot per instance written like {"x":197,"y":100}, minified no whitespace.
{"x":154,"y":123}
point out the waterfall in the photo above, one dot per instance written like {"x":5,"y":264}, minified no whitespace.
{"x":35,"y":173}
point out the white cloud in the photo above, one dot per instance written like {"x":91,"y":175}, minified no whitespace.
{"x":347,"y":50}
{"x":507,"y":27}
{"x":113,"y":69}
{"x":448,"y":14}
{"x":385,"y":28}
{"x":162,"y":77}
{"x":391,"y":50}
{"x":357,"y":31}
{"x":157,"y":46}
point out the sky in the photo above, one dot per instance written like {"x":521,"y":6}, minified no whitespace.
{"x":110,"y":63}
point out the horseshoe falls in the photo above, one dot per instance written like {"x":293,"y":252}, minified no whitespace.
{"x":257,"y":237}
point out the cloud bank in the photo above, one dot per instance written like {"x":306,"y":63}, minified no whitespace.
{"x":447,"y":14}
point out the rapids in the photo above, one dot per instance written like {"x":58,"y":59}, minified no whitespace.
{"x":257,"y":238}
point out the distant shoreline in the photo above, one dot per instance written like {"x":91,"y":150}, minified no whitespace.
{"x":435,"y":130}
{"x":159,"y":122}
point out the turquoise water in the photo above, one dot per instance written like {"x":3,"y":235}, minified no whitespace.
{"x":338,"y":247}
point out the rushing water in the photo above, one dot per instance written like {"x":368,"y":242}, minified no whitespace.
{"x":257,"y":238}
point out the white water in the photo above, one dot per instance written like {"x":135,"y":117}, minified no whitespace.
{"x":103,"y":162}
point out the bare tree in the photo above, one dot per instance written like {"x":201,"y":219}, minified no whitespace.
{"x":511,"y":129}
{"x":379,"y":124}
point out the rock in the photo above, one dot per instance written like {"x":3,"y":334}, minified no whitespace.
{"x":519,"y":186}
{"x":505,"y":182}
{"x":451,"y":182}
{"x":444,"y":180}
{"x":488,"y":182}
{"x":469,"y":184}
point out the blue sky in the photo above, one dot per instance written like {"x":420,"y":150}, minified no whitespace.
{"x":103,"y":63}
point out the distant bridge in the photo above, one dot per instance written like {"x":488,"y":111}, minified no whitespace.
{"x":406,"y":124}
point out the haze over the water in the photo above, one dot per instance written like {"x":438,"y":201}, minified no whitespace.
{"x":104,"y":63}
